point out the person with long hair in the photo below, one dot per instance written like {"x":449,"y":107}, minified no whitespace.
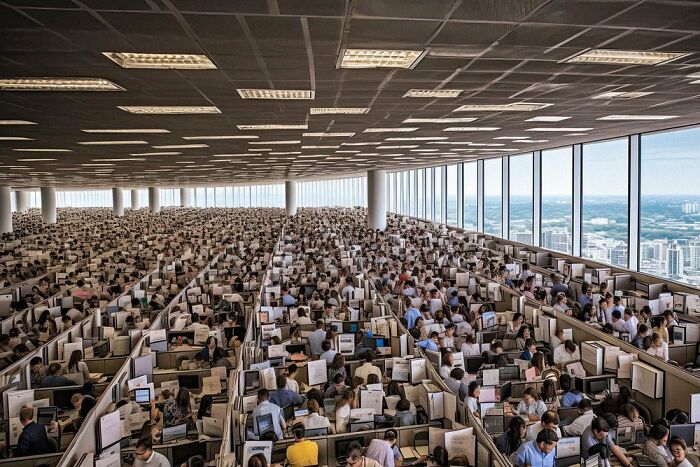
{"x":655,"y":446}
{"x":178,"y":410}
{"x":531,"y":406}
{"x":512,"y":438}
{"x":77,"y":365}
{"x":342,"y":411}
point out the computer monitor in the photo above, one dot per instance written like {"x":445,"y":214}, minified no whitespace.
{"x":316,"y":432}
{"x":473,"y":363}
{"x":142,"y":396}
{"x":685,"y":432}
{"x":353,"y":327}
{"x":488,"y":337}
{"x":301,"y":412}
{"x":264,"y":424}
{"x":288,"y":412}
{"x":329,"y":406}
{"x":509,"y":372}
{"x":188,"y":381}
{"x":378,"y":342}
{"x":46,"y":415}
{"x":506,"y":390}
{"x":251,"y":380}
{"x":62,"y":398}
{"x":597,"y":386}
{"x":172,"y":433}
{"x":342,"y":445}
{"x":160,"y":346}
{"x":295,"y":348}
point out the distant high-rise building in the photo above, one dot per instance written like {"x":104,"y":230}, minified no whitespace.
{"x":618,"y":256}
{"x":556,"y":240}
{"x":523,"y":237}
{"x":674,"y":261}
{"x":690,"y":208}
{"x":694,"y":253}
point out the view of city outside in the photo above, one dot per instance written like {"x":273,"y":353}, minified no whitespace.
{"x":493,"y":195}
{"x":670,"y":205}
{"x":520,"y":206}
{"x":557,"y":199}
{"x":469,"y":199}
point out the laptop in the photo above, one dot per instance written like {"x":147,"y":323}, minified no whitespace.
{"x":264,"y":424}
{"x":46,"y":415}
{"x":172,"y":433}
{"x":316,"y":432}
{"x":142,"y":396}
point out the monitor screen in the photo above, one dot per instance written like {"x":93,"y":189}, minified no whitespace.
{"x":353,"y":327}
{"x":341,"y":446}
{"x":61,"y":398}
{"x":171,"y":433}
{"x":473,"y":364}
{"x":509,"y":372}
{"x":379,"y":342}
{"x":685,"y":432}
{"x":316,"y":432}
{"x":301,"y":412}
{"x":506,"y":390}
{"x":597,"y":386}
{"x":264,"y":423}
{"x":142,"y":396}
{"x":45,"y":415}
{"x":295,"y":348}
{"x":252,"y":380}
{"x":288,"y":412}
{"x":188,"y":381}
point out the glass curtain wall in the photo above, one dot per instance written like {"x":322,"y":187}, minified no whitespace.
{"x":557,"y":199}
{"x":451,"y":214}
{"x":344,"y":192}
{"x":469,"y":196}
{"x":493,"y":197}
{"x":520,"y":207}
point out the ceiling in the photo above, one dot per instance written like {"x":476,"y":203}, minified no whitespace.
{"x":496,"y":51}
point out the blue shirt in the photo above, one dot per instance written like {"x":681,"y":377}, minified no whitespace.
{"x":288,"y":300}
{"x":285,"y":397}
{"x":584,"y":300}
{"x":428,"y":344}
{"x":411,"y":315}
{"x":526,"y":355}
{"x":571,"y":399}
{"x":530,"y":454}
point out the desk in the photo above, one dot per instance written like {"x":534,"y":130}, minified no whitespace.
{"x":682,"y":353}
{"x":179,"y":451}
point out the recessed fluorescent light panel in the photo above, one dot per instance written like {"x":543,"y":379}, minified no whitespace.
{"x":417,"y":138}
{"x":472,"y":128}
{"x":15,"y":138}
{"x":291,"y":141}
{"x":41,"y":150}
{"x":169,"y":109}
{"x":624,"y":57}
{"x":558,"y":129}
{"x":156,"y":154}
{"x":16,"y":122}
{"x":638,"y":117}
{"x":440,"y":120}
{"x":621,"y":95}
{"x":437,"y":93}
{"x":58,"y":84}
{"x":512,"y":137}
{"x":531,"y":141}
{"x":389,"y":130}
{"x":284,"y":94}
{"x":272,"y":127}
{"x":328,"y":135}
{"x":109,"y":143}
{"x":181,"y":146}
{"x":338,"y":110}
{"x":378,"y":58}
{"x":126,"y":130}
{"x":515,"y":106}
{"x":35,"y":160}
{"x":161,"y":61}
{"x":197,"y":138}
{"x":547,"y":118}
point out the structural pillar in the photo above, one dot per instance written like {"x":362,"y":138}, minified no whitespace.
{"x":154,"y":199}
{"x":134,"y":199}
{"x":21,"y":201}
{"x":290,"y":197}
{"x":376,"y":199}
{"x":118,"y":201}
{"x":186,"y":197}
{"x":48,"y":204}
{"x":5,"y":210}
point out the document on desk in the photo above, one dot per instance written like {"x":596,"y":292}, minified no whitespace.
{"x":157,"y":335}
{"x":268,"y":376}
{"x":372,"y":400}
{"x":201,"y":333}
{"x":219,"y":371}
{"x":461,"y":443}
{"x":139,"y":382}
{"x":569,"y":447}
{"x":346,"y":344}
{"x":251,"y":448}
{"x":172,"y":386}
{"x":418,"y":370}
{"x":491,"y":377}
{"x":110,"y":458}
{"x":136,"y":420}
{"x":211,"y":385}
{"x":318,"y":373}
{"x":16,"y":399}
{"x":400,"y":369}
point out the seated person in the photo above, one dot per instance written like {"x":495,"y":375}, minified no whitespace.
{"x":583,"y":421}
{"x":356,"y":459}
{"x":570,"y":396}
{"x":431,"y":343}
{"x":629,"y":418}
{"x":404,"y":416}
{"x":472,"y":399}
{"x":328,"y":353}
{"x":566,"y":353}
{"x":368,"y":367}
{"x":128,"y":326}
{"x":146,"y":456}
{"x":38,"y":371}
{"x":212,"y":354}
{"x":539,"y":452}
{"x":33,"y":440}
{"x":512,"y":438}
{"x":596,"y":437}
{"x":655,"y":446}
{"x":679,"y":452}
{"x":178,"y":410}
{"x":54,"y":379}
{"x":530,"y":350}
{"x":550,"y":421}
{"x":338,"y":387}
{"x":456,"y":385}
{"x":265,"y":407}
{"x":314,"y":420}
{"x":282,"y":396}
{"x":384,"y":450}
{"x":531,"y":407}
{"x":302,"y":453}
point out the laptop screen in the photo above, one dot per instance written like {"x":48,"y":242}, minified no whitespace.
{"x":142,"y":396}
{"x":171,"y":433}
{"x":264,"y":423}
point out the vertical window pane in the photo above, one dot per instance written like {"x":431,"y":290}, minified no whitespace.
{"x":604,"y":211}
{"x":451,"y":215}
{"x":520,"y":207}
{"x":493,"y":196}
{"x":437,"y":194}
{"x":420,"y":198}
{"x":557,"y":199}
{"x":429,"y":193}
{"x":670,"y":197}
{"x":469,"y":199}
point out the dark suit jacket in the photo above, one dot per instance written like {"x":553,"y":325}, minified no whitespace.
{"x":33,"y":440}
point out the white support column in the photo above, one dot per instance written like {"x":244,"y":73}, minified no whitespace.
{"x":21,"y":200}
{"x":118,"y":201}
{"x":5,"y":210}
{"x":635,"y":201}
{"x":376,"y":199}
{"x":154,"y":199}
{"x":134,"y":199}
{"x":186,"y":197}
{"x":290,"y":197}
{"x":48,"y":204}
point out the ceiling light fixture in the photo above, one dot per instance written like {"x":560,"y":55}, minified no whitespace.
{"x":638,"y":117}
{"x":321,"y":147}
{"x":437,"y":93}
{"x":170,"y":109}
{"x":58,"y":84}
{"x":390,"y":130}
{"x":531,"y":141}
{"x":237,"y":155}
{"x":109,"y":143}
{"x":35,"y":160}
{"x":472,"y":128}
{"x":130,"y":159}
{"x":272,"y":126}
{"x":379,"y":58}
{"x":15,"y":138}
{"x":338,"y":110}
{"x":219,"y":137}
{"x":557,"y":129}
{"x":328,"y":135}
{"x":624,"y":57}
{"x":156,"y":154}
{"x":284,"y":94}
{"x":126,"y":130}
{"x":440,"y":120}
{"x":417,"y":138}
{"x":515,"y":106}
{"x":180,"y":146}
{"x":161,"y":61}
{"x":547,"y":118}
{"x":16,"y":122}
{"x":292,"y":141}
{"x":41,"y":150}
{"x":621,"y":95}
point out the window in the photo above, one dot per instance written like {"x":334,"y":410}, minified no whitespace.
{"x":429,"y":193}
{"x":451,"y":214}
{"x":520,"y":191}
{"x":420,"y":193}
{"x":557,"y":199}
{"x":493,"y":197}
{"x":437,"y":195}
{"x":604,"y":211}
{"x":469,"y":198}
{"x":670,"y":204}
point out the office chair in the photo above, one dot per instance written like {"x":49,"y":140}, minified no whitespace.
{"x":643,"y":412}
{"x":54,"y":445}
{"x":421,"y":436}
{"x":195,"y":461}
